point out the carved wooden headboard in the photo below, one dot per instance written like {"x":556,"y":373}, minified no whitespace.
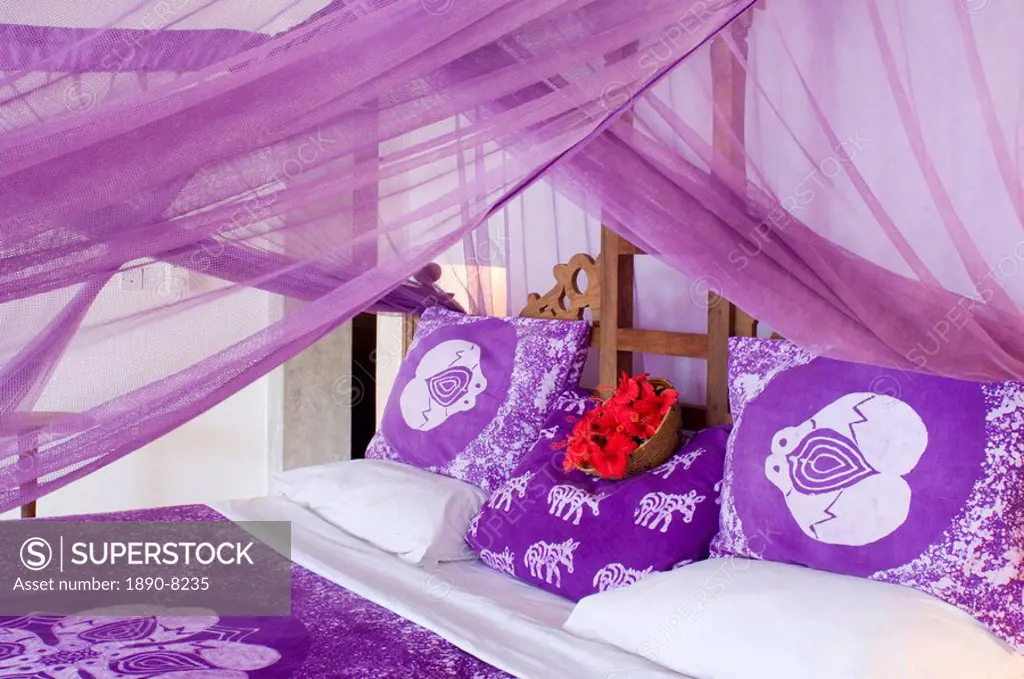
{"x":585,"y":283}
{"x":607,"y":292}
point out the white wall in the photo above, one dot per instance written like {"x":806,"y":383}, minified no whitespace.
{"x":389,"y":357}
{"x":223,"y":453}
{"x":227,"y":452}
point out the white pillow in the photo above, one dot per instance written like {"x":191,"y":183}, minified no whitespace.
{"x":742,"y":619}
{"x":420,"y":516}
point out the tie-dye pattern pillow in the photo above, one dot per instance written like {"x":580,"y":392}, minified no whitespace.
{"x":575,"y":534}
{"x":900,"y":477}
{"x":473,"y":392}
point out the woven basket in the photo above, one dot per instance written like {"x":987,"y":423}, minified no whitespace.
{"x":660,"y":447}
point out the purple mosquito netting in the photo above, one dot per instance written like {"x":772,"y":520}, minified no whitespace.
{"x":849,"y":172}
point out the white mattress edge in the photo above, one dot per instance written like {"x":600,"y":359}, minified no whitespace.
{"x":442,"y":601}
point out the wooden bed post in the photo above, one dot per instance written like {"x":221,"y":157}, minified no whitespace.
{"x":719,"y":315}
{"x":28,"y":510}
{"x":25,"y":428}
{"x":729,"y":91}
{"x":617,"y":277}
{"x":617,"y":268}
{"x":408,"y":331}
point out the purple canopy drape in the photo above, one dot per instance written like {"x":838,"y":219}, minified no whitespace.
{"x":849,"y":172}
{"x":868,"y":199}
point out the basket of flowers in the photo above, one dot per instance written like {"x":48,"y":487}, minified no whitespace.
{"x":633,"y":430}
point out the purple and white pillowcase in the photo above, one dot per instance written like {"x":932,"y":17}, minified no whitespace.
{"x":472,"y":393}
{"x":575,"y":534}
{"x":900,"y":477}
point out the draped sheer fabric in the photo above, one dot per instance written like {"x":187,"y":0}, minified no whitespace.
{"x":848,"y":172}
{"x":275,"y":174}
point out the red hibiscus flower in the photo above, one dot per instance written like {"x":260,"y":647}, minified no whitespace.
{"x":605,"y":437}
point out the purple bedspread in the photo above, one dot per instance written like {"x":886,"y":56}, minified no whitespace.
{"x":331,"y":633}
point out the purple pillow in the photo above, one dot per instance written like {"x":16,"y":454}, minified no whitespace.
{"x":900,"y":477}
{"x":575,"y":534}
{"x":473,"y":392}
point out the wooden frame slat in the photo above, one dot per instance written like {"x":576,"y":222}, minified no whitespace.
{"x":680,"y":344}
{"x":627,"y":248}
{"x":743,"y":324}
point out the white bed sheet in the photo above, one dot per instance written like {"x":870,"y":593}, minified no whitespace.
{"x":504,"y":622}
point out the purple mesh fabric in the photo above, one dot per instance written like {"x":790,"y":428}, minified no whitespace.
{"x":846,"y":172}
{"x":838,"y":207}
{"x":269,"y":171}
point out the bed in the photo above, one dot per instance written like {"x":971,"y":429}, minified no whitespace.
{"x":356,"y":612}
{"x":360,"y":612}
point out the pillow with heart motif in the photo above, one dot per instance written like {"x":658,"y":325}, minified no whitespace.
{"x":473,"y":392}
{"x":896,"y":476}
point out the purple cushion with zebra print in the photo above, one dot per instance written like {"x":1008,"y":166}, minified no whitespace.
{"x":575,"y":534}
{"x":473,"y":392}
{"x":901,"y":477}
